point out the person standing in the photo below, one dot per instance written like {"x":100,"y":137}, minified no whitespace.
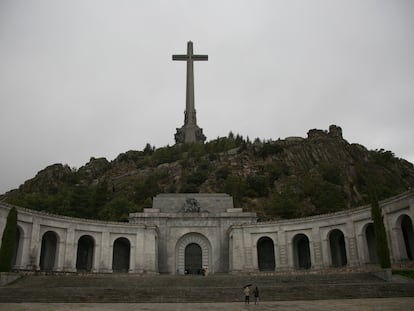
{"x":256,"y":295}
{"x":246,"y":292}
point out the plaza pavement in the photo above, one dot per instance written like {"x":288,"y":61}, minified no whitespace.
{"x":369,"y":304}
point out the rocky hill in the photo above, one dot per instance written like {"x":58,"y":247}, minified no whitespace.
{"x":294,"y":177}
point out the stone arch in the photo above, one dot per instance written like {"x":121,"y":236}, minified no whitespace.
{"x":48,"y":251}
{"x":184,"y":242}
{"x":85,"y":253}
{"x":121,"y":255}
{"x":18,"y":247}
{"x":266,"y":254}
{"x":337,"y":248}
{"x":370,"y":243}
{"x":301,"y":251}
{"x":405,"y":223}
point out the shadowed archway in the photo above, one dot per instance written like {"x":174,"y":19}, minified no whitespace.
{"x":408,"y":235}
{"x":301,"y":252}
{"x":189,"y":246}
{"x":48,"y":251}
{"x":266,"y":254}
{"x":370,"y":240}
{"x":193,"y":261}
{"x":85,"y":252}
{"x":337,"y":248}
{"x":121,"y":255}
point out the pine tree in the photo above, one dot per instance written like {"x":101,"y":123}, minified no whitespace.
{"x":381,"y":242}
{"x":8,"y":241}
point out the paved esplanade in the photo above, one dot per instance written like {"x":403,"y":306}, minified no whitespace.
{"x":369,"y":304}
{"x":190,"y":132}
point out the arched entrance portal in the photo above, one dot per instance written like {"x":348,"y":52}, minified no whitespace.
{"x":188,"y":251}
{"x":337,"y":248}
{"x":370,"y":238}
{"x":193,"y":259}
{"x":121,"y":254}
{"x":407,"y":231}
{"x":84,"y":258}
{"x":48,"y":251}
{"x":266,"y":254}
{"x":301,"y":251}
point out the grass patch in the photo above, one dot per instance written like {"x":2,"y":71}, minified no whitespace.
{"x":407,"y":273}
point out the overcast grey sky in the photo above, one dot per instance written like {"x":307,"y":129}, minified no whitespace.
{"x":84,"y":78}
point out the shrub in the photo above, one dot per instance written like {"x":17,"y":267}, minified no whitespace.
{"x":8,"y":242}
{"x":381,"y":242}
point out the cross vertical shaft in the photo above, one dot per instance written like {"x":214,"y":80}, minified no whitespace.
{"x":190,"y":132}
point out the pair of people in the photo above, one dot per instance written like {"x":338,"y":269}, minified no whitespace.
{"x":246,"y":292}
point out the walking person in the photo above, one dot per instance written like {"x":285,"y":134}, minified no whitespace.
{"x":246,"y":292}
{"x":256,"y":296}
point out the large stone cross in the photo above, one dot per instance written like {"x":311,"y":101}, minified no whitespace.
{"x":190,"y":132}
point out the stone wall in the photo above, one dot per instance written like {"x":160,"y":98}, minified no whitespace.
{"x":349,"y":225}
{"x":33,"y":226}
{"x":231,"y":240}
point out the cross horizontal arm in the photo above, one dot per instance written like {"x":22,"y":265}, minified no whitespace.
{"x":200,"y":57}
{"x":180,"y":57}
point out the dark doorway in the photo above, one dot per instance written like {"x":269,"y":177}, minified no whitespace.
{"x":84,"y":258}
{"x":370,"y":237}
{"x":48,"y":251}
{"x":193,"y":259}
{"x":121,"y":253}
{"x":337,"y":247}
{"x":266,"y":254}
{"x":407,"y":231}
{"x":301,"y":252}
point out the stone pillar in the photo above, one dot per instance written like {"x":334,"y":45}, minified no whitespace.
{"x":282,"y":256}
{"x":248,"y":251}
{"x":315,"y":249}
{"x":60,"y":253}
{"x":24,"y":261}
{"x":132,"y":260}
{"x":236,"y":256}
{"x":351,"y":247}
{"x":70,"y":251}
{"x":150,"y":263}
{"x":35,"y":244}
{"x":106,"y":255}
{"x":362,"y":247}
{"x":97,"y":253}
{"x":326,"y":252}
{"x":139,"y":251}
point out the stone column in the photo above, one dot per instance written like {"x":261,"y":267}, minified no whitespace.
{"x":60,"y":253}
{"x":282,"y":255}
{"x":139,"y":251}
{"x":150,"y":251}
{"x":24,"y":260}
{"x":351,"y":246}
{"x":248,"y":251}
{"x":236,"y":256}
{"x":315,"y":249}
{"x":35,"y":244}
{"x":105,"y":264}
{"x":70,"y":251}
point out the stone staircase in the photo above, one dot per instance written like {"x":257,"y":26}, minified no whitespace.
{"x":213,"y":288}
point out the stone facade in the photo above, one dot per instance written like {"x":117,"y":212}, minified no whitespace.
{"x":205,"y":230}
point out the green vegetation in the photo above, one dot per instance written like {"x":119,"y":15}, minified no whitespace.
{"x":276,"y":179}
{"x":381,"y":242}
{"x":8,"y":241}
{"x":409,"y":273}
